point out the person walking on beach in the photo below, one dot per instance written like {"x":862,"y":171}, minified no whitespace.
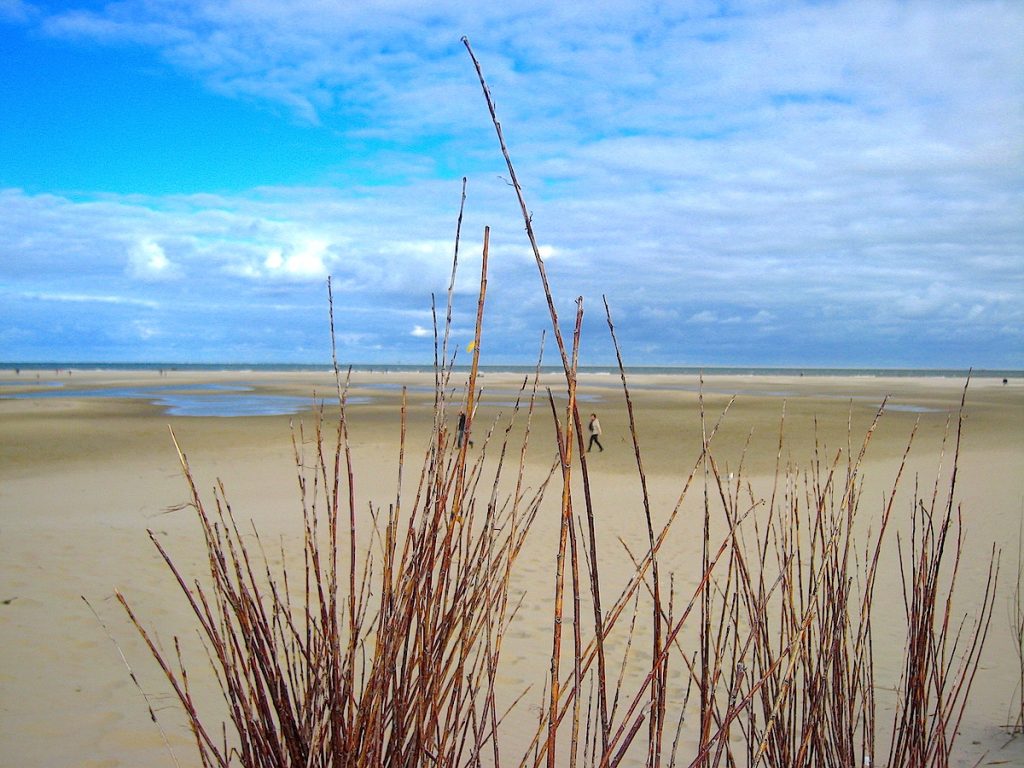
{"x":594,"y":427}
{"x":461,"y":434}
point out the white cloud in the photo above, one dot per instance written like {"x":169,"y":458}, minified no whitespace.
{"x":806,"y":72}
{"x":144,"y":331}
{"x":420,"y":332}
{"x":547,"y":251}
{"x":275,"y":259}
{"x":307,"y":259}
{"x":656,"y":314}
{"x":148,"y":261}
{"x":704,"y":317}
{"x":80,"y":298}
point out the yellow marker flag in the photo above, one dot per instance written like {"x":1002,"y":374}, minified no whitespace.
{"x":471,"y":347}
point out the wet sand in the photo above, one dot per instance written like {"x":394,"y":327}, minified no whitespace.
{"x":83,"y":477}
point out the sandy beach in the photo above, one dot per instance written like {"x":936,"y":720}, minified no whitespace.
{"x":87,"y":466}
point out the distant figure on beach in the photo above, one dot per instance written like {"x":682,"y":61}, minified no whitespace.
{"x":594,"y":428}
{"x":461,"y":435}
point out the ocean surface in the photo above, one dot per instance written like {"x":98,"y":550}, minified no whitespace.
{"x":632,"y":369}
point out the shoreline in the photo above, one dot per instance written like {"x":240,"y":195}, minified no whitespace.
{"x":15,"y":369}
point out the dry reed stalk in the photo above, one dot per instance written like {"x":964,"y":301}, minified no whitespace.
{"x":385,"y":675}
{"x":1015,"y":722}
{"x":823,"y":702}
{"x":573,"y":419}
{"x":938,"y":671}
{"x":137,"y":684}
{"x":441,"y":384}
{"x":656,"y":728}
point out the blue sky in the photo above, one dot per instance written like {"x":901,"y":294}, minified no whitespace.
{"x":749,"y":183}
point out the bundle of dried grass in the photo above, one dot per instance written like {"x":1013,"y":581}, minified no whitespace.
{"x":385,"y":648}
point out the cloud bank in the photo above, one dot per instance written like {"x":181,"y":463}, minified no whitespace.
{"x":754,"y":183}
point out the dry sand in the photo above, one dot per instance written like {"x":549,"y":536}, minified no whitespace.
{"x":82,"y":479}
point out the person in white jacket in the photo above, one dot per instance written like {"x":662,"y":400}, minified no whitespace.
{"x":594,"y":427}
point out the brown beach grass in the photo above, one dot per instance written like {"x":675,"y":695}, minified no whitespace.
{"x":385,"y":645}
{"x":775,"y":637}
